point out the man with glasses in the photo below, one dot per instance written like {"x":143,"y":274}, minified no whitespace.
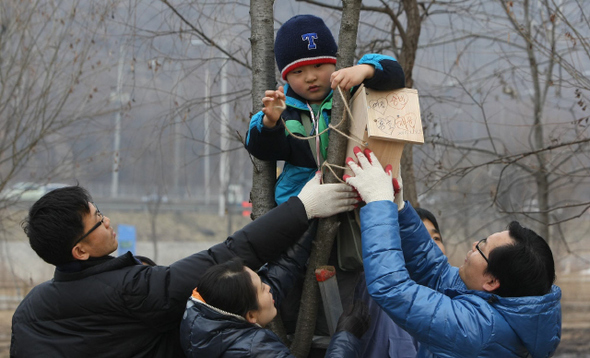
{"x":98,"y":305}
{"x":500,"y":303}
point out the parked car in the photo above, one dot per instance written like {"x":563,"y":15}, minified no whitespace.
{"x":153,"y":198}
{"x":52,"y":186}
{"x":27,"y":191}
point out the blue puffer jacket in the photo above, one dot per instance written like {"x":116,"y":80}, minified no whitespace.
{"x":277,"y":144}
{"x":209,"y":332}
{"x":432,"y":303}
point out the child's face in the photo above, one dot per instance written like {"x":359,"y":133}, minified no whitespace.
{"x":312,"y":82}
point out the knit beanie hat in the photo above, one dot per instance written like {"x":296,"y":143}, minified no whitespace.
{"x":304,"y":40}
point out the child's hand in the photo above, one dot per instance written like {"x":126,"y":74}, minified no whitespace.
{"x":349,"y":77}
{"x":274,"y":105}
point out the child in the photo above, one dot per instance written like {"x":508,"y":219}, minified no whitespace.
{"x":305,"y":52}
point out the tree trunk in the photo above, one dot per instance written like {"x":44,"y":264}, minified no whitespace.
{"x":328,"y":227}
{"x":543,"y":200}
{"x":263,"y":78}
{"x":543,"y":186}
{"x":407,"y":60}
{"x":541,"y":174}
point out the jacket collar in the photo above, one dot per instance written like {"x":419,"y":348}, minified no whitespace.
{"x":79,"y":265}
{"x":197,"y":299}
{"x":522,"y":314}
{"x":77,"y":270}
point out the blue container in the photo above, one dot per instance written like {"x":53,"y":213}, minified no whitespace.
{"x":126,"y":237}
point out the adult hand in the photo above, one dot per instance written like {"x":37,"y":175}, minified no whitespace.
{"x":274,"y":105}
{"x":324,"y":200}
{"x":371,"y":182}
{"x":355,"y":320}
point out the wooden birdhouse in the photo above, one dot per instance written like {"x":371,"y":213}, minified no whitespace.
{"x":384,"y":121}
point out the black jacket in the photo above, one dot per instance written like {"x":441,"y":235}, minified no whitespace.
{"x":118,"y":308}
{"x":209,"y":332}
{"x":219,"y":335}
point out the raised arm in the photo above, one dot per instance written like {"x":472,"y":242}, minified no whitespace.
{"x":388,"y":75}
{"x":261,"y":241}
{"x":282,"y":274}
{"x":426,"y":265}
{"x":456,"y":327}
{"x":277,"y":143}
{"x":264,"y":239}
{"x":267,"y":143}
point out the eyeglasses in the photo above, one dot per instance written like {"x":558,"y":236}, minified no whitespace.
{"x":93,"y":228}
{"x":478,"y":249}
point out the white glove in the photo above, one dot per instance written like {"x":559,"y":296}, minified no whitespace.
{"x":371,"y":182}
{"x":323,"y":200}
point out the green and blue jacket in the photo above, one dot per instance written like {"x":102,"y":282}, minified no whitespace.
{"x":300,"y":162}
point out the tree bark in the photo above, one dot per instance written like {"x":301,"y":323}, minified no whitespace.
{"x":328,"y":227}
{"x":263,"y":78}
{"x":407,"y":60}
{"x":541,"y":80}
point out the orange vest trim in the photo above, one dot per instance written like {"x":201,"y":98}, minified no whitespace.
{"x":197,"y":295}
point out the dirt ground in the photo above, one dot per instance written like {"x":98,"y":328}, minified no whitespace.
{"x":575,"y":339}
{"x":5,"y":322}
{"x":575,"y":334}
{"x":574,"y":343}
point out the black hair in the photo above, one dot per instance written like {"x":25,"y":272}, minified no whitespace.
{"x":524,"y":268}
{"x":55,"y":221}
{"x":229,"y":287}
{"x":427,"y":215}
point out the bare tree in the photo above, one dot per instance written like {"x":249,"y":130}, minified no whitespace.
{"x":263,"y":78}
{"x":328,"y":227}
{"x":531,"y":109}
{"x":486,"y":71}
{"x":535,"y":70}
{"x":206,"y":46}
{"x":47,"y":66}
{"x":51,"y":64}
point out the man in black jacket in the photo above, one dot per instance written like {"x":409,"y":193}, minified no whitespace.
{"x":103,"y":306}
